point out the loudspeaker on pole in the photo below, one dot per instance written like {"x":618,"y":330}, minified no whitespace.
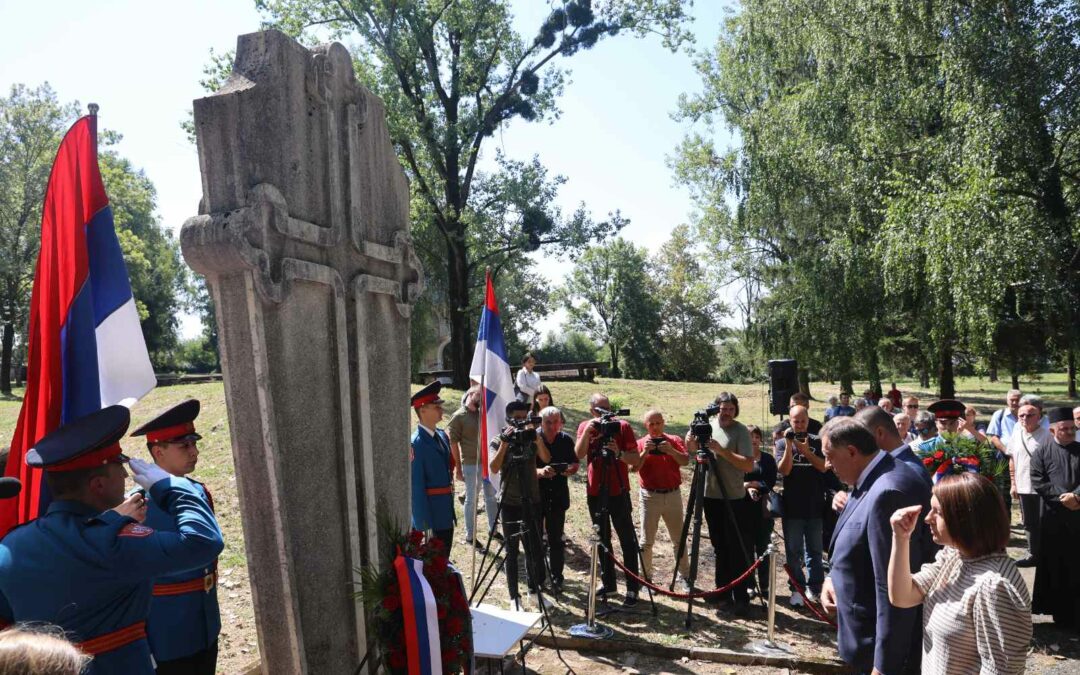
{"x":783,"y":382}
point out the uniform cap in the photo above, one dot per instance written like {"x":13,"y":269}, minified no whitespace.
{"x":173,"y":425}
{"x":429,"y":394}
{"x":85,"y":443}
{"x":946,"y":409}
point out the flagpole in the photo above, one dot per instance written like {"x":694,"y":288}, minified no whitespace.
{"x":479,"y":480}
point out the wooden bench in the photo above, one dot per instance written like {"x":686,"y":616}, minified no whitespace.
{"x":584,"y":371}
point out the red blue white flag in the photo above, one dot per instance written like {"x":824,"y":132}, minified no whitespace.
{"x":423,"y":647}
{"x":85,"y":346}
{"x":491,"y":369}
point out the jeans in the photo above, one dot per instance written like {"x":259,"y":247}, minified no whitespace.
{"x":472,"y":477}
{"x":804,"y":535}
{"x":554,"y":520}
{"x":517,"y":531}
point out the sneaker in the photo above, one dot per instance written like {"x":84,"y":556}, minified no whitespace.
{"x":813,"y":597}
{"x":542,"y":602}
{"x":605,"y":591}
{"x":796,"y":600}
{"x":685,"y":586}
{"x":631,"y":599}
{"x":742,"y":609}
{"x":1029,"y":561}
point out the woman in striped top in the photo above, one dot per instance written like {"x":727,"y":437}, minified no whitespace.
{"x":976,"y":607}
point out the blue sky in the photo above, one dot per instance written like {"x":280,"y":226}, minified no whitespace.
{"x":142,"y":61}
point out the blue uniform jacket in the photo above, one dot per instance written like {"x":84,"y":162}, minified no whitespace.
{"x":432,"y":494}
{"x":184,"y":624}
{"x":91,"y":573}
{"x":871,"y":632}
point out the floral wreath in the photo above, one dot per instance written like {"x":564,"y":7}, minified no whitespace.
{"x":956,"y":454}
{"x":381,"y":592}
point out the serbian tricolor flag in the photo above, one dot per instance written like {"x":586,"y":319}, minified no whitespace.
{"x":423,"y":648}
{"x":491,"y":369}
{"x":86,"y":348}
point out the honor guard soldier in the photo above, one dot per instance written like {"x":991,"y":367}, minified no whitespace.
{"x":431,"y":467}
{"x":184,"y":618}
{"x":947,"y":413}
{"x":88,"y":564}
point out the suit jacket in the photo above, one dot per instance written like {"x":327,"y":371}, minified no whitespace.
{"x":908,"y":457}
{"x":871,"y":632}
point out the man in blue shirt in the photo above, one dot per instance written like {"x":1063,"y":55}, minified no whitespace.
{"x":842,"y":410}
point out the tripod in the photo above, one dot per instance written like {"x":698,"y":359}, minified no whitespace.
{"x":705,"y":462}
{"x":520,"y":461}
{"x":606,"y":464}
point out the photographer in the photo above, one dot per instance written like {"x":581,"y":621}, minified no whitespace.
{"x":730,"y":443}
{"x":662,"y":456}
{"x":519,"y":453}
{"x":803,"y":467}
{"x":554,"y":492}
{"x":621,"y":452}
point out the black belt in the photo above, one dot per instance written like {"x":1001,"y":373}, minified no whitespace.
{"x":661,"y":492}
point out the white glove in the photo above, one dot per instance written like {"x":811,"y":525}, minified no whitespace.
{"x":146,"y":473}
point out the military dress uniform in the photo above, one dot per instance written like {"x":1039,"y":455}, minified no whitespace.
{"x":431,"y":468}
{"x":91,"y":572}
{"x":184,"y":618}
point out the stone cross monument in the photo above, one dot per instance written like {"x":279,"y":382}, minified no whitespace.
{"x":303,"y":237}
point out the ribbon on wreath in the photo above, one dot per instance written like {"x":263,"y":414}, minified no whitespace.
{"x":423,"y":651}
{"x":966,"y":464}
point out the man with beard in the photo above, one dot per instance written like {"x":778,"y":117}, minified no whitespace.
{"x":1055,"y":477}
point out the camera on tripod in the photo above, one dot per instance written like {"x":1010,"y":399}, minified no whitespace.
{"x":608,"y":426}
{"x":700,"y":427}
{"x":521,"y":434}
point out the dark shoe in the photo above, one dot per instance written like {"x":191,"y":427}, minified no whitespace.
{"x":631,"y":599}
{"x":498,"y":535}
{"x":604,"y":592}
{"x":742,"y":609}
{"x":1029,"y":561}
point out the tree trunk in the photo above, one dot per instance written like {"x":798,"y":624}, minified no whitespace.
{"x":613,"y":350}
{"x":992,"y":370}
{"x":873,"y":370}
{"x":924,"y":377}
{"x":804,"y":381}
{"x":1072,"y":372}
{"x":846,"y":383}
{"x":457,"y":273}
{"x":5,"y":358}
{"x":946,"y":382}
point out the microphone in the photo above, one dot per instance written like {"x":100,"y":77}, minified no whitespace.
{"x":9,"y":487}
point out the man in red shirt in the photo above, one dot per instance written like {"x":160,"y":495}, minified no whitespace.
{"x":615,"y":483}
{"x":662,"y":456}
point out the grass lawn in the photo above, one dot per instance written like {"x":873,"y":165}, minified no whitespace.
{"x":678,"y":401}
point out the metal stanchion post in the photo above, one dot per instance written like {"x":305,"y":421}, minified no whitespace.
{"x":591,"y":629}
{"x":769,"y":644}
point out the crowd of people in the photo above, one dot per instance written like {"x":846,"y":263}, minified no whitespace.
{"x":913,"y":567}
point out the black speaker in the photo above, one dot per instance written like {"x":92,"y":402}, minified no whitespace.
{"x":783,"y":382}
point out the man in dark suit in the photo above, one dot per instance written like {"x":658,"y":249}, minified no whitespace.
{"x":872,"y":636}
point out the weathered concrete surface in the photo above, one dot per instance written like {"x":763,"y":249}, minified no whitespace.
{"x":303,"y":239}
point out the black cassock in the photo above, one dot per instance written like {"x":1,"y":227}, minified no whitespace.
{"x":1055,"y":470}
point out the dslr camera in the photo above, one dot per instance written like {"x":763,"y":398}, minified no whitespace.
{"x":791,"y":435}
{"x":656,"y":442}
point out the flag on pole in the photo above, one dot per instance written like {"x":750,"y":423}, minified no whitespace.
{"x":85,"y":346}
{"x":491,"y":369}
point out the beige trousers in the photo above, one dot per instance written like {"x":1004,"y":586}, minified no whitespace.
{"x":669,"y":507}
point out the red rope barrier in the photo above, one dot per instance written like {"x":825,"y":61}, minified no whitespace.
{"x":686,"y":596}
{"x":819,"y":614}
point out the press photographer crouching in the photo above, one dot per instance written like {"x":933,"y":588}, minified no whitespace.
{"x":554,"y":492}
{"x":515,"y":456}
{"x":662,"y":456}
{"x":610,"y":446}
{"x":726,"y":512}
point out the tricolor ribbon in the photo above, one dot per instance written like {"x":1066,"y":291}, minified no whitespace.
{"x":968,"y":464}
{"x":423,"y":650}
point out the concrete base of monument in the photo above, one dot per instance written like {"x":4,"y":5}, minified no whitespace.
{"x":744,"y":658}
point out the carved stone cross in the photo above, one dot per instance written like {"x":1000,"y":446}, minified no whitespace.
{"x":304,"y":241}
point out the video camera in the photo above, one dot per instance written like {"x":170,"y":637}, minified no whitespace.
{"x":608,"y":425}
{"x":521,"y":433}
{"x":700,"y":427}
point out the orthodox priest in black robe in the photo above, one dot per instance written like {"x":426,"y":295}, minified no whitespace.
{"x":1055,"y":476}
